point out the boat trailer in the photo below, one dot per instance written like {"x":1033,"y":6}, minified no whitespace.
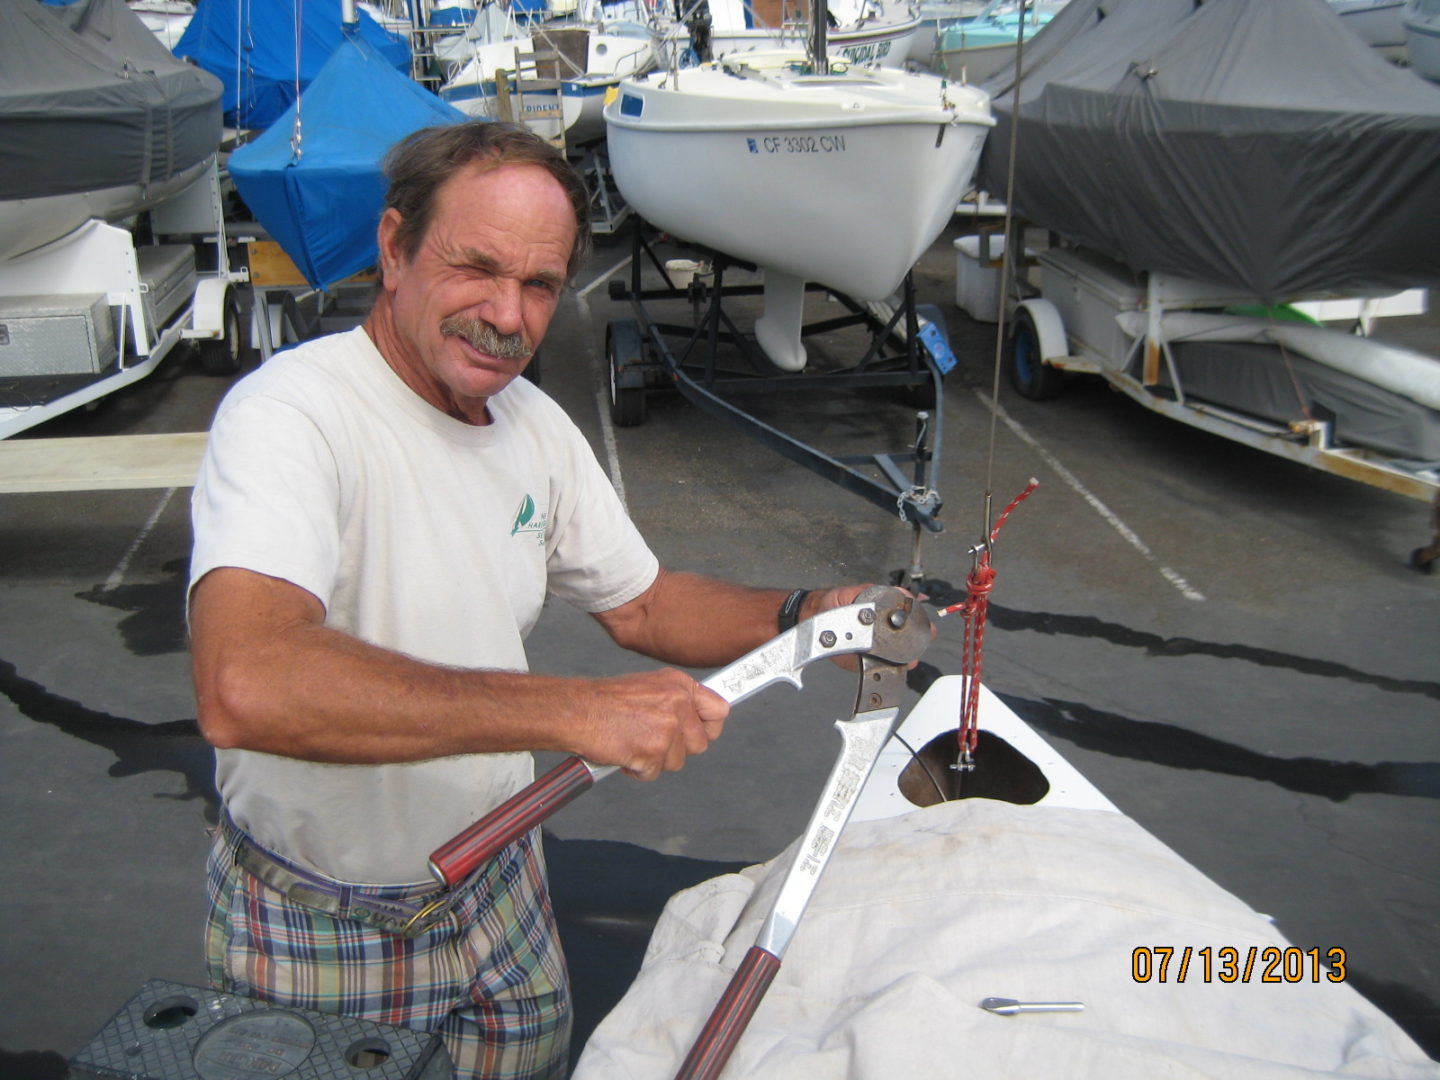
{"x":711,"y":361}
{"x":1093,"y":316}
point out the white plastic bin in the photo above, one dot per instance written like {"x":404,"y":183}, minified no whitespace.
{"x":977,"y":275}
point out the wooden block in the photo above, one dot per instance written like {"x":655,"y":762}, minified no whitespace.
{"x":101,"y":462}
{"x":270,"y":267}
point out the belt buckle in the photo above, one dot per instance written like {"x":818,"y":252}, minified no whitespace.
{"x":414,"y":925}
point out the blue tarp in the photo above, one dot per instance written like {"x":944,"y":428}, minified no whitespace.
{"x":262,"y":57}
{"x":322,"y":205}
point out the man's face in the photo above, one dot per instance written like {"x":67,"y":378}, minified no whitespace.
{"x":473,"y":304}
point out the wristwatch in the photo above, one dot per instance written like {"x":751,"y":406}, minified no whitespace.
{"x":790,"y":609}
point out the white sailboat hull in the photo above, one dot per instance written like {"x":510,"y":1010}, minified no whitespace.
{"x":582,"y":83}
{"x":872,"y":32}
{"x":840,"y":180}
{"x":1422,"y":39}
{"x":26,"y":224}
{"x":888,"y":45}
{"x":976,"y":63}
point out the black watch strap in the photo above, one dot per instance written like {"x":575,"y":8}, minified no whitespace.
{"x":790,"y":609}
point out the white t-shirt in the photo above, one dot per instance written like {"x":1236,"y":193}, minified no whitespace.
{"x":418,"y":533}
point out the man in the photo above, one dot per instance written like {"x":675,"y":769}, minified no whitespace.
{"x":377,"y":522}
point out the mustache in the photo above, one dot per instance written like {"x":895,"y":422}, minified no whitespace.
{"x":485,"y":338}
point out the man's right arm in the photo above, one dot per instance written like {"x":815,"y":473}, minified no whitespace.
{"x":270,"y":676}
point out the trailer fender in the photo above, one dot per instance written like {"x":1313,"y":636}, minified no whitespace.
{"x":208,"y":318}
{"x":1049,"y":327}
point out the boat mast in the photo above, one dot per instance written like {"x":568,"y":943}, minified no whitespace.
{"x":815,"y":45}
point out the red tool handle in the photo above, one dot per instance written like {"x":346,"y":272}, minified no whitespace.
{"x":732,"y":1013}
{"x":457,"y":859}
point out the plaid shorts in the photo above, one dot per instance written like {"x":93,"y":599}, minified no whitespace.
{"x":490,"y":978}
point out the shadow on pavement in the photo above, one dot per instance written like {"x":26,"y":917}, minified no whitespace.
{"x":607,"y":898}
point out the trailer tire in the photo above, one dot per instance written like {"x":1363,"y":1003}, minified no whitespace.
{"x":1029,"y":374}
{"x":627,"y":403}
{"x":231,"y":351}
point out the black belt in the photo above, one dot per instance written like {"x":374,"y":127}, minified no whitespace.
{"x":409,"y":916}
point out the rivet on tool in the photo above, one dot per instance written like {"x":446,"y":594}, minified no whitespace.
{"x":827,"y":639}
{"x":867,"y":616}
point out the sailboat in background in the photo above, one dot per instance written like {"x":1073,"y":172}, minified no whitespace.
{"x":80,"y":136}
{"x":250,"y":46}
{"x":1378,"y":23}
{"x":976,"y":48}
{"x":858,"y":31}
{"x":811,"y":169}
{"x":317,"y":187}
{"x":558,"y":72}
{"x":1185,"y":163}
{"x":166,"y":19}
{"x":1422,"y":37}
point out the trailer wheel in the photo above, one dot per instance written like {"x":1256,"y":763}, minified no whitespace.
{"x":622,"y":347}
{"x":231,"y":351}
{"x":1029,"y":374}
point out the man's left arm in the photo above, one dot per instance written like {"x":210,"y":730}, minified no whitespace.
{"x":701,"y":622}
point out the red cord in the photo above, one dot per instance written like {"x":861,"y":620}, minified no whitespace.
{"x":975,"y":607}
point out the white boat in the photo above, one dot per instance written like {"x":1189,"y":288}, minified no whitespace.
{"x":1422,"y":37}
{"x":67,"y":81}
{"x":939,"y":912}
{"x":863,"y":31}
{"x":166,"y":19}
{"x":842,"y":178}
{"x":974,"y":49}
{"x":1375,"y":22}
{"x":935,"y":15}
{"x":558,"y":74}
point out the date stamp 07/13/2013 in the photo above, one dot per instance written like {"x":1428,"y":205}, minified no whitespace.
{"x":1230,"y":964}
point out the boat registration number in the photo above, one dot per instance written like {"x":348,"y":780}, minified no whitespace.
{"x":797,"y":144}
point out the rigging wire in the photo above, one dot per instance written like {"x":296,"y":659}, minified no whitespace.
{"x":240,"y":23}
{"x":296,"y":151}
{"x":1007,"y":267}
{"x":981,"y":579}
{"x":925,"y":768}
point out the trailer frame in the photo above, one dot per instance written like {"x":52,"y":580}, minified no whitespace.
{"x":908,"y":352}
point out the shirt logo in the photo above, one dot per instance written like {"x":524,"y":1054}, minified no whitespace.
{"x":526,"y":520}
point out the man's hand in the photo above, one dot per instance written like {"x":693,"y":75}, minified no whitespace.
{"x":651,"y":722}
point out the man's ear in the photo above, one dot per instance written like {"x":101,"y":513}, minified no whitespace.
{"x":390,"y":254}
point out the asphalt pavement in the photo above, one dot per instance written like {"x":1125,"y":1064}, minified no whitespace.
{"x":1230,"y":645}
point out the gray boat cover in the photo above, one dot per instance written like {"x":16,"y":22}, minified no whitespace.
{"x":1254,"y":144}
{"x":90,"y":99}
{"x":1280,"y":386}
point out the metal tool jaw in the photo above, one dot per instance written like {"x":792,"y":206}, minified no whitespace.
{"x":902,"y":633}
{"x":902,"y":628}
{"x":881,"y":623}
